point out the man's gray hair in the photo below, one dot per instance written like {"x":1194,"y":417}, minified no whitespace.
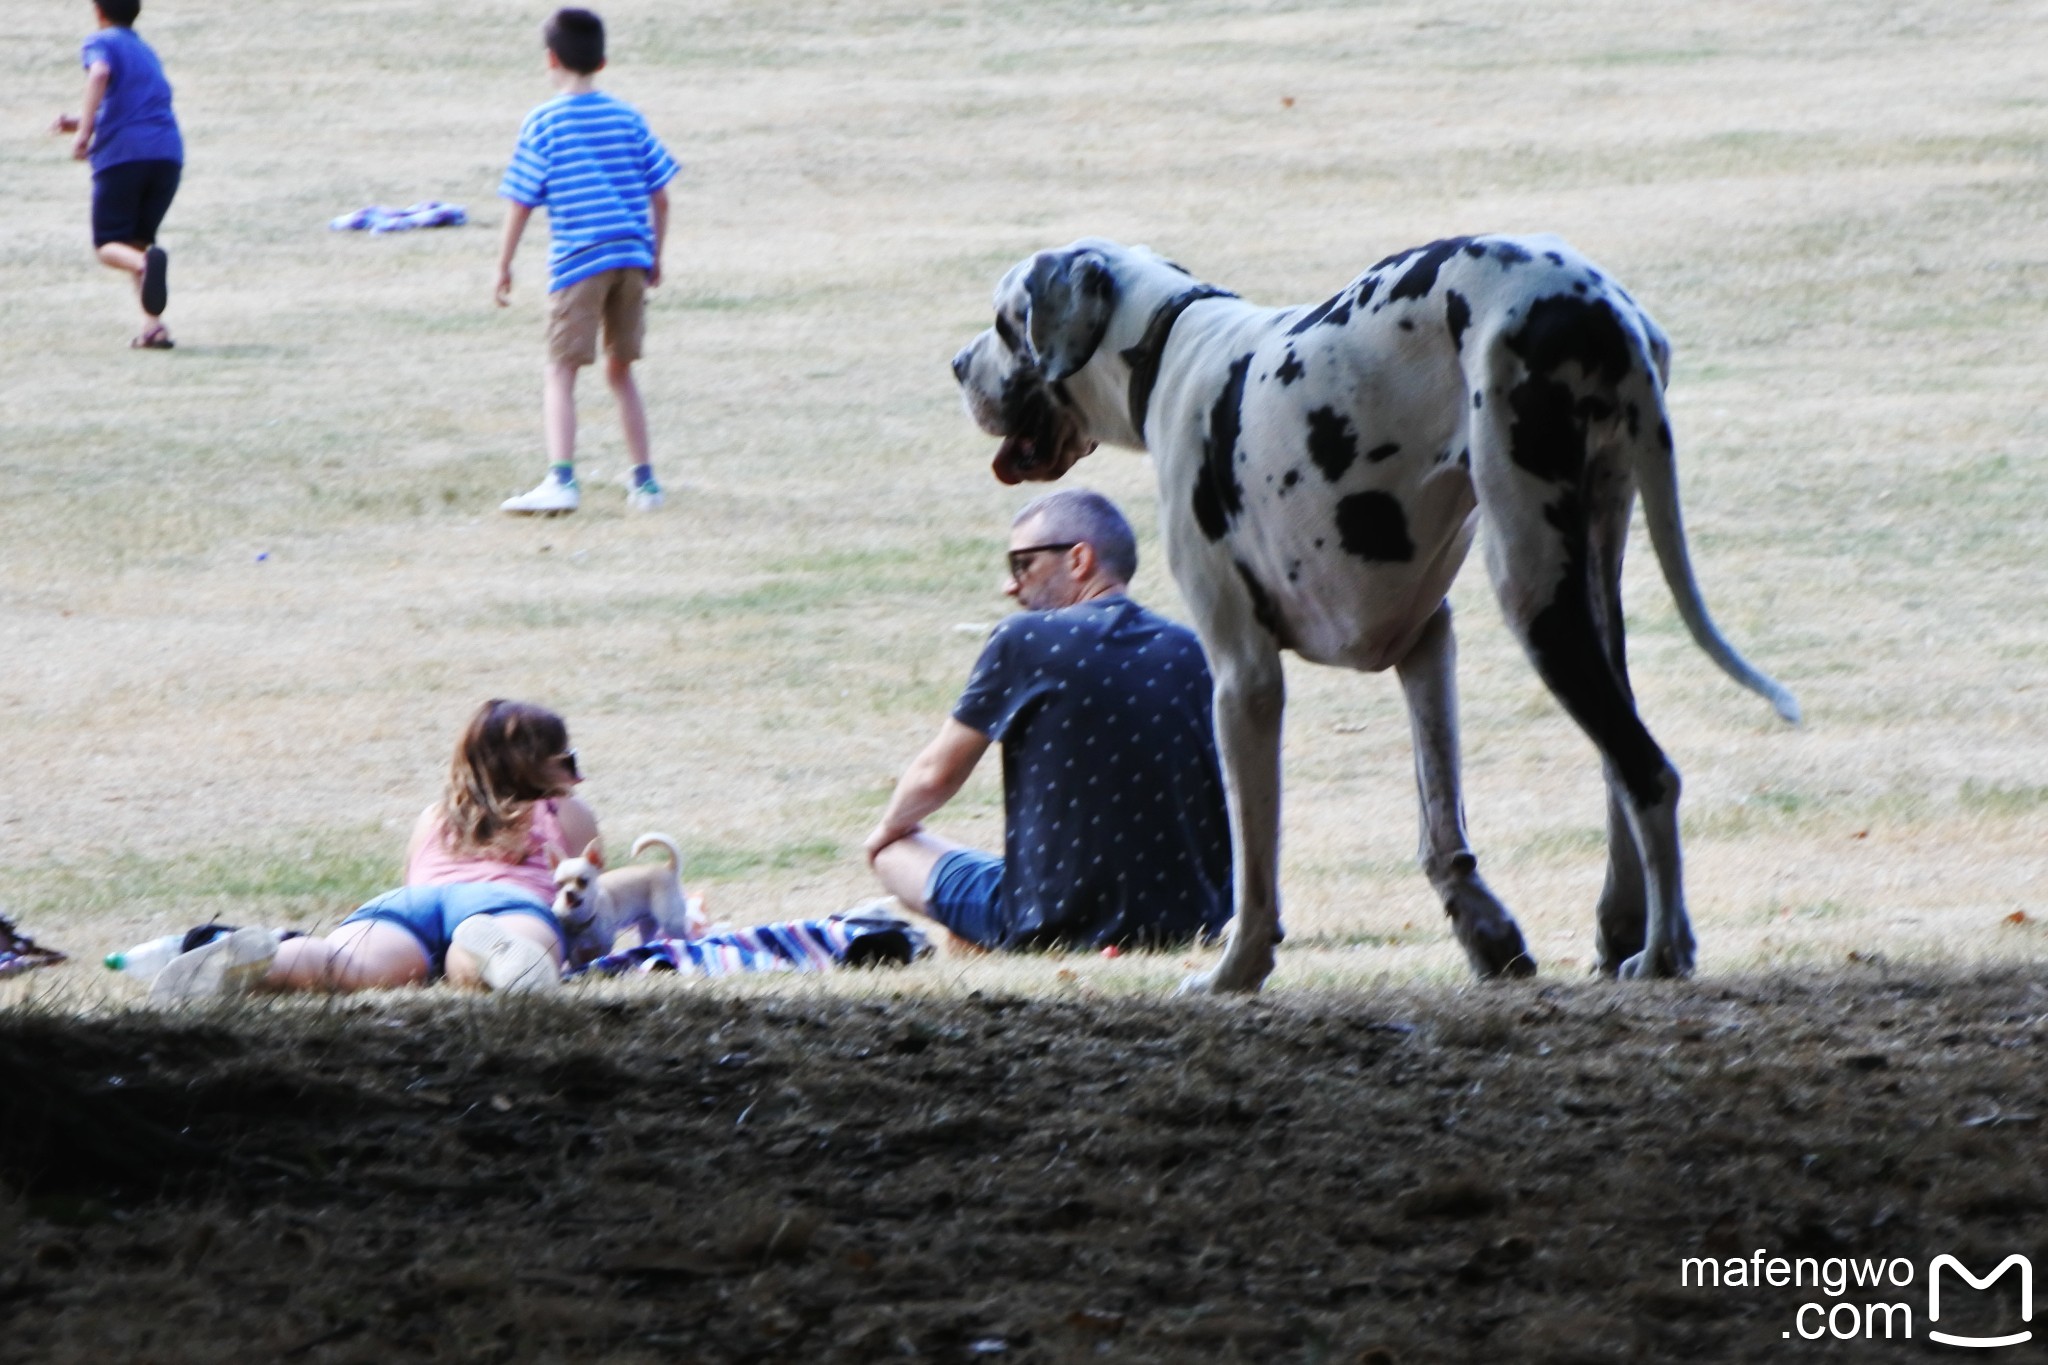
{"x":1086,"y":517}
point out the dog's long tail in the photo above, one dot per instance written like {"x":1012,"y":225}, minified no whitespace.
{"x":1657,"y":481}
{"x":662,"y":841}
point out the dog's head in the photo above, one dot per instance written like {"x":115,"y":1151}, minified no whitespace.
{"x":578,"y":898}
{"x":1051,"y":313}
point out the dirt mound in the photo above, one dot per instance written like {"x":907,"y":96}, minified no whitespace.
{"x":1502,"y":1173}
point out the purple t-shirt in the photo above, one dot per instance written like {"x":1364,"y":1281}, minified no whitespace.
{"x":135,"y":121}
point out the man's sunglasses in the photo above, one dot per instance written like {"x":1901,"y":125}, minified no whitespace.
{"x":1020,"y":560}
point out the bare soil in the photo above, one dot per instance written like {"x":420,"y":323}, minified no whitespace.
{"x":1507,"y":1173}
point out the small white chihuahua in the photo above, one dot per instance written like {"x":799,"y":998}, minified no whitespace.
{"x":596,"y":906}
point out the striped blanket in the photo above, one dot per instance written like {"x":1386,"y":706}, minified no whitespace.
{"x":853,"y":938}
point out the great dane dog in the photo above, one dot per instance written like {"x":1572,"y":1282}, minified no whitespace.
{"x":1322,"y":472}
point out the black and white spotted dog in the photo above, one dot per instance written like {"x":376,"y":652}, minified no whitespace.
{"x":1322,"y":472}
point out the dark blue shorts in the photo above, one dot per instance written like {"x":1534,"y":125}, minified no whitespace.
{"x":961,"y":894}
{"x":130,"y":199}
{"x":430,"y":913}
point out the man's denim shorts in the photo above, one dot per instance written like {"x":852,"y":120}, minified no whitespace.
{"x":962,"y":894}
{"x":430,"y":913}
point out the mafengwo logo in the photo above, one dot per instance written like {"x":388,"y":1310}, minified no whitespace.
{"x":1948,"y":1262}
{"x":1846,"y":1319}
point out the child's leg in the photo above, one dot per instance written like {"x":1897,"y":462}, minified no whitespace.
{"x":558,"y":417}
{"x":632,"y":412}
{"x":625,"y":328}
{"x":128,"y":206}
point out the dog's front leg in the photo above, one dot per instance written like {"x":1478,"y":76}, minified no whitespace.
{"x":1491,"y":939}
{"x":1251,"y":694}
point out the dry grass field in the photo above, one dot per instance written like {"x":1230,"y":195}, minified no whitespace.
{"x":249,"y":588}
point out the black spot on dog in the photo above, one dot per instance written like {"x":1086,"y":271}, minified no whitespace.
{"x":1290,"y":369}
{"x":1547,"y":439}
{"x":1388,"y":262}
{"x":1263,"y":610}
{"x":1593,"y":276}
{"x":1465,"y":458}
{"x":1562,"y":330}
{"x":1335,"y":310}
{"x":1319,"y":542}
{"x":1372,"y":282}
{"x":1475,"y":250}
{"x":1373,"y":527}
{"x":1553,"y":258}
{"x":1407,"y":324}
{"x":1293,"y":571}
{"x":1508,"y":254}
{"x":1420,"y":277}
{"x":1218,"y":497}
{"x":1289,"y":479}
{"x":1382,"y":452}
{"x":1587,"y":674}
{"x":1478,"y":401}
{"x":1332,"y":444}
{"x":1458,"y":314}
{"x":1579,"y":288}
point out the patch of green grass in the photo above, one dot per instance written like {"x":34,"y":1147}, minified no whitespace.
{"x":1999,"y":798}
{"x":312,"y":872}
{"x":723,"y":861}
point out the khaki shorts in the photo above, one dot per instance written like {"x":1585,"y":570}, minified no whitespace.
{"x":618,"y":298}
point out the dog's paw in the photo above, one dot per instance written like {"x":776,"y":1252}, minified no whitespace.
{"x":1222,"y":981}
{"x":1673,"y":962}
{"x":1493,"y":942}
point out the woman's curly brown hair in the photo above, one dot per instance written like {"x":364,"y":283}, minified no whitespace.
{"x":504,"y":762}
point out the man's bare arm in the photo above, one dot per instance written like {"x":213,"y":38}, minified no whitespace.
{"x":933,"y":778}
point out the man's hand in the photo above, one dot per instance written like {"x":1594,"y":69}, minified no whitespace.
{"x":81,"y":150}
{"x":503,"y":293}
{"x":65,"y":123}
{"x":884,"y":835}
{"x":654,"y":274}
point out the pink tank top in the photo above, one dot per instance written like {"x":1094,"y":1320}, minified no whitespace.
{"x":435,"y":865}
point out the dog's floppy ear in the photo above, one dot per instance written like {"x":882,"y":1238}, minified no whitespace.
{"x":593,"y":854}
{"x":1072,"y":294}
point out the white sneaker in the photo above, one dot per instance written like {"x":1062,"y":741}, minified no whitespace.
{"x":642,"y":497}
{"x":508,"y":962}
{"x":551,"y":498}
{"x":228,"y":966}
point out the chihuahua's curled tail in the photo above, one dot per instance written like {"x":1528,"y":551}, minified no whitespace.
{"x":662,"y":841}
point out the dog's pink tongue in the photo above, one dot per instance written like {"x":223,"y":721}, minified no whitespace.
{"x":1014,"y":452}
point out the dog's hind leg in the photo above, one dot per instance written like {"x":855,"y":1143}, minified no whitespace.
{"x":1554,"y":494}
{"x":1621,"y":919}
{"x":1251,"y":695}
{"x":1485,"y":930}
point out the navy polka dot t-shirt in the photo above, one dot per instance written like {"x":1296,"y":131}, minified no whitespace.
{"x":1114,"y":824}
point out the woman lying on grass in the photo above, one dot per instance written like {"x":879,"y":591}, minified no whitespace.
{"x":475,"y":904}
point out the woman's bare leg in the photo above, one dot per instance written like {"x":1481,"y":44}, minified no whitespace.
{"x":365,"y":955}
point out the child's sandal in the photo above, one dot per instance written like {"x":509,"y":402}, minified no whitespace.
{"x":155,"y":339}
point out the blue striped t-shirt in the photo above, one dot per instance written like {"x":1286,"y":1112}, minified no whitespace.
{"x":592,"y":161}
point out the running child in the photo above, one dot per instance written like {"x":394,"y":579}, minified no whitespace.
{"x":126,"y":129}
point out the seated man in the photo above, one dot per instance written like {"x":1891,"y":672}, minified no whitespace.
{"x":1114,"y":826}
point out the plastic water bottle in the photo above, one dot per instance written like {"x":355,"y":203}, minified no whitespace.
{"x":145,"y":960}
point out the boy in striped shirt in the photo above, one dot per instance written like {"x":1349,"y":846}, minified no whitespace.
{"x":603,"y":177}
